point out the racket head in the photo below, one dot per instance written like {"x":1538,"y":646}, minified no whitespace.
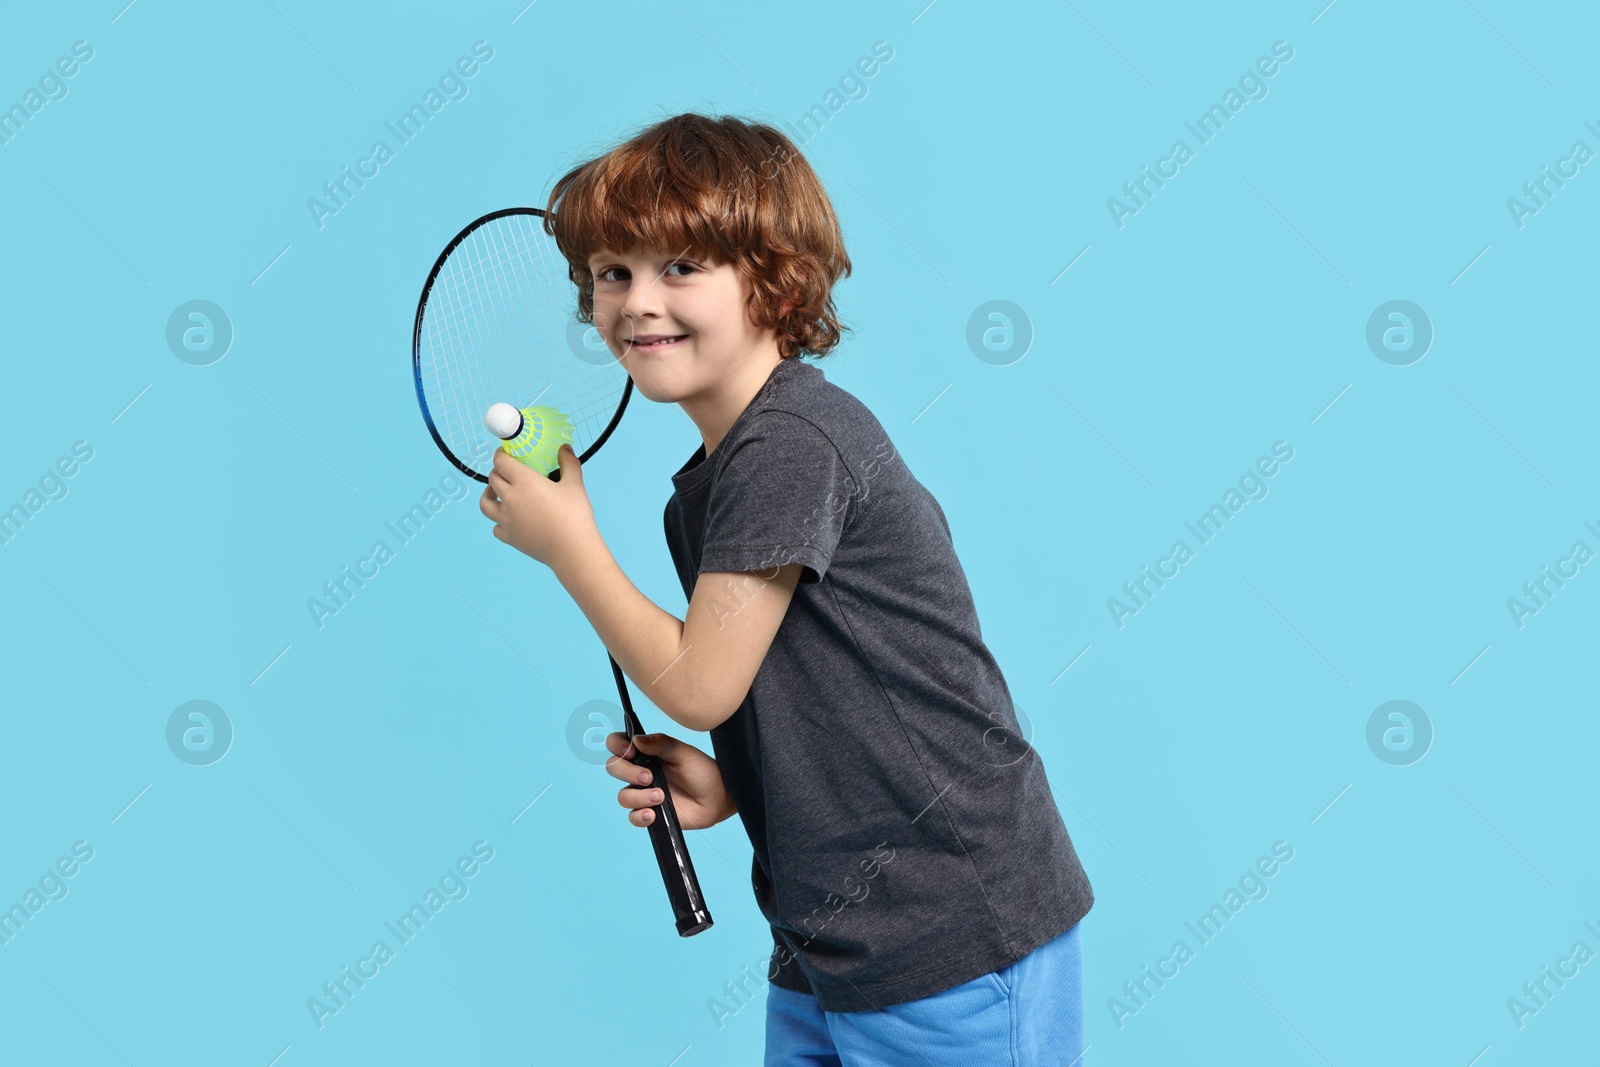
{"x":497,"y":322}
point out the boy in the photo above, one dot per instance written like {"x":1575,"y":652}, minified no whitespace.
{"x":921,"y":887}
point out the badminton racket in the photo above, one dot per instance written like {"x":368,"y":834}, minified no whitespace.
{"x":497,"y":323}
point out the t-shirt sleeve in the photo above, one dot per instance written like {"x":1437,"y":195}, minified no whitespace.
{"x":784,"y":495}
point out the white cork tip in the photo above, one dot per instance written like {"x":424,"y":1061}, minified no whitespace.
{"x":503,"y":420}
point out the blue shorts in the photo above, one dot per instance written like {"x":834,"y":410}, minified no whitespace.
{"x":1026,"y":1014}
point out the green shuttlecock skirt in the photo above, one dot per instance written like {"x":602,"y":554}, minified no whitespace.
{"x":544,"y":431}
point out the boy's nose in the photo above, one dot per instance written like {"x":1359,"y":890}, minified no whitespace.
{"x":643,"y":300}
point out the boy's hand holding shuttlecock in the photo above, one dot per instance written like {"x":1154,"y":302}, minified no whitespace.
{"x":552,"y":521}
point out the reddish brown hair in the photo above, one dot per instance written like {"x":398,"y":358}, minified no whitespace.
{"x":726,"y":190}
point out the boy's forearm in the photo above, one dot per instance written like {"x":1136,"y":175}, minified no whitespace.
{"x":646,"y":641}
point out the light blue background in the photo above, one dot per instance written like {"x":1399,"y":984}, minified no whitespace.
{"x":1228,"y":314}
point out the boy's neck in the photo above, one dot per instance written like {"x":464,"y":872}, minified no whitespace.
{"x":715,"y":414}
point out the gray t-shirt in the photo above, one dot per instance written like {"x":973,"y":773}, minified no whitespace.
{"x":905,"y":836}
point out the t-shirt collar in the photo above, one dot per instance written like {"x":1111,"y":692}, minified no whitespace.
{"x":696,"y":471}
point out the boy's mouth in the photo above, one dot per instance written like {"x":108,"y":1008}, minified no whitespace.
{"x":654,"y":342}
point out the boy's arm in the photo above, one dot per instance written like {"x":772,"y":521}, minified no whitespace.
{"x":697,"y":670}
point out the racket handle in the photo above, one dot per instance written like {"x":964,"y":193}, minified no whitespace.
{"x":689,"y":910}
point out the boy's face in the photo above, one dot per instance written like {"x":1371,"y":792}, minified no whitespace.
{"x":643,"y":295}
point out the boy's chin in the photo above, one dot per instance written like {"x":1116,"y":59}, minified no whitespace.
{"x":655,"y":391}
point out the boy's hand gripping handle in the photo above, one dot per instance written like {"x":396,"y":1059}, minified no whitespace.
{"x":666,"y":835}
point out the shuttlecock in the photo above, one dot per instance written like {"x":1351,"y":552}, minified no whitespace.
{"x":532,"y":435}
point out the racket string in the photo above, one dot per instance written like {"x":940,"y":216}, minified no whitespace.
{"x":495,"y":328}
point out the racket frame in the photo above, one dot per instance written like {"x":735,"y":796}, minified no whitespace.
{"x":416,"y":346}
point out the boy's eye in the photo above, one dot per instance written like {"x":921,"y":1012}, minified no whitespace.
{"x":605,"y":275}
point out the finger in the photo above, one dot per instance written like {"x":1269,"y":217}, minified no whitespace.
{"x":617,"y":744}
{"x":570,"y":467}
{"x":662,"y":745}
{"x":507,"y":466}
{"x":498,"y":483}
{"x":629,"y":797}
{"x":489,"y":504}
{"x":642,"y":817}
{"x":628,"y":771}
